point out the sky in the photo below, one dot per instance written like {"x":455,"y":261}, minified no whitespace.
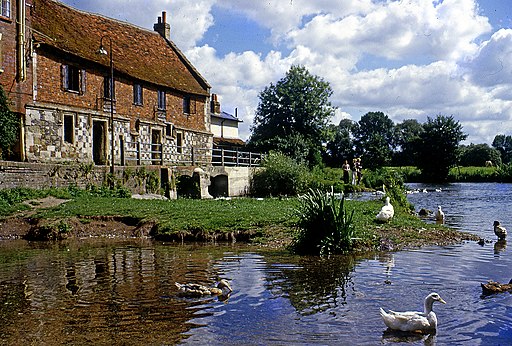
{"x":410,"y":59}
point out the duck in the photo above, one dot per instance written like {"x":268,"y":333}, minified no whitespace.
{"x":412,"y":321}
{"x":492,"y":287}
{"x":197,"y":290}
{"x":499,"y":230}
{"x":386,"y":213}
{"x":439,"y":214}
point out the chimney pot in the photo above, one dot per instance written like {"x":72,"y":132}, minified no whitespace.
{"x":164,"y":17}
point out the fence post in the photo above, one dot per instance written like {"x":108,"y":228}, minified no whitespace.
{"x":250,"y":159}
{"x":237,"y":158}
{"x":222,"y":156}
{"x":193,"y":157}
{"x":138,"y":153}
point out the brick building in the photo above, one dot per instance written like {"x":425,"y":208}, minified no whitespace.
{"x":61,"y":87}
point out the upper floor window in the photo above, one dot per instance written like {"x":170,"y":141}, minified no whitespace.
{"x":73,"y":79}
{"x":109,"y":89}
{"x":161,"y":100}
{"x":5,"y":10}
{"x":137,"y":94}
{"x":189,"y":105}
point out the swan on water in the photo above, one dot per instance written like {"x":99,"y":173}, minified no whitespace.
{"x":413,"y":321}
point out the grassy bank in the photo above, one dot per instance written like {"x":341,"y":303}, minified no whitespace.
{"x":263,"y":221}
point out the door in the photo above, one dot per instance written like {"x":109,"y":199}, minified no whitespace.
{"x":99,"y":136}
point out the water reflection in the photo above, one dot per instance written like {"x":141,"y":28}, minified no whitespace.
{"x":123,"y":293}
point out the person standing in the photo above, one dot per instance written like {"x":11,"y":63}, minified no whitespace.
{"x":346,"y":172}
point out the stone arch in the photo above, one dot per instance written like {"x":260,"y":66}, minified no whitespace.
{"x":219,"y":186}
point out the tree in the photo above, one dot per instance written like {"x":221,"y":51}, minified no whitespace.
{"x":504,"y":145}
{"x":406,"y":133}
{"x":436,"y":147}
{"x":9,"y":126}
{"x":374,"y":139}
{"x":341,"y":145}
{"x":297,"y":107}
{"x":478,"y":154}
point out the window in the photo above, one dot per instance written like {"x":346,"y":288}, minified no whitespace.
{"x":161,"y":100}
{"x":189,"y":105}
{"x":69,"y":129}
{"x":137,"y":94}
{"x":179,"y":142}
{"x":73,"y":79}
{"x":106,"y":88}
{"x":5,"y":10}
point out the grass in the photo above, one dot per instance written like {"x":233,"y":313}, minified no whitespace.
{"x":267,"y":221}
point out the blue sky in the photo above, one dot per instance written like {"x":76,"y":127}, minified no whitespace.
{"x":410,"y":59}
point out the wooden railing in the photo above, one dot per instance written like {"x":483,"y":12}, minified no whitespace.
{"x":138,"y":153}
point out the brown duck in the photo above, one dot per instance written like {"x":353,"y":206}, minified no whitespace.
{"x":492,"y":287}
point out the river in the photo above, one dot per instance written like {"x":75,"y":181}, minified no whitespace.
{"x":99,"y":292}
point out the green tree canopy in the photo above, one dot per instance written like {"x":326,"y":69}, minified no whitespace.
{"x":296,"y":108}
{"x":478,"y":154}
{"x":9,"y":126}
{"x":504,"y":145}
{"x":374,"y":139}
{"x":340,"y":147}
{"x":406,"y":133}
{"x":437,"y":146}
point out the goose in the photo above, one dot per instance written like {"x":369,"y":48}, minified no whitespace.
{"x":196,"y":290}
{"x":439,"y":214}
{"x":495,"y":287}
{"x":386,"y":213}
{"x":412,"y":321}
{"x":499,"y":230}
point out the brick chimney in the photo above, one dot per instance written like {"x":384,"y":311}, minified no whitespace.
{"x":162,"y":27}
{"x":214,"y":105}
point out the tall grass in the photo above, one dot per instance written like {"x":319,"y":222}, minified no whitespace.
{"x":324,"y":227}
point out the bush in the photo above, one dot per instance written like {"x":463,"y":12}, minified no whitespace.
{"x":281,"y":176}
{"x":392,"y":182}
{"x":324,"y":227}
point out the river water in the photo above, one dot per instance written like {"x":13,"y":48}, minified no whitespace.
{"x":97,"y":292}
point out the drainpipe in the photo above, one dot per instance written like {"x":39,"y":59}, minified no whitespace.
{"x":20,"y":24}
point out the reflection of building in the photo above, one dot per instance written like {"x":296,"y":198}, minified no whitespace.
{"x":61,"y":87}
{"x":224,"y":127}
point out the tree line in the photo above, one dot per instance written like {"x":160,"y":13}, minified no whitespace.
{"x":293,"y":118}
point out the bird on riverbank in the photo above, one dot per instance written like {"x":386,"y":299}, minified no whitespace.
{"x":499,"y":230}
{"x":413,"y":321}
{"x":492,"y":287}
{"x":439,"y":214}
{"x":196,"y":290}
{"x":386,"y":213}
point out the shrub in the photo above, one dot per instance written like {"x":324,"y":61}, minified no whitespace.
{"x":324,"y":227}
{"x":281,"y":176}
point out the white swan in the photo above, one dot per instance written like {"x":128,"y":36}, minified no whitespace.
{"x":439,"y":214}
{"x":386,"y":213}
{"x":412,"y":321}
{"x":499,"y":230}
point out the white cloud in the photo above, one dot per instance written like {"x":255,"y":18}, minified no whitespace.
{"x":409,"y":59}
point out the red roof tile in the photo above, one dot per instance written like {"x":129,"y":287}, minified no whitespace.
{"x":137,"y":52}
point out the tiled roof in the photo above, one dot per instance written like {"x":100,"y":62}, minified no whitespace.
{"x":228,"y":141}
{"x":139,"y":53}
{"x":224,"y":115}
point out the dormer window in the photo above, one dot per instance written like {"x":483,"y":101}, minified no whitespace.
{"x":137,"y":94}
{"x":189,"y":105}
{"x":5,"y":9}
{"x":73,"y":79}
{"x":161,"y":100}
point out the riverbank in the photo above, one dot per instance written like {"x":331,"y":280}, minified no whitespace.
{"x":262,"y":222}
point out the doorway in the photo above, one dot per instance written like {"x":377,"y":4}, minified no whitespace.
{"x":99,"y":142}
{"x":156,"y":143}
